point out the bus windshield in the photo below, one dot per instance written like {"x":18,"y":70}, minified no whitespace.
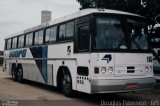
{"x":120,"y":33}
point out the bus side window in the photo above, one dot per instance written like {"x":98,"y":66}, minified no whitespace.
{"x":51,"y":34}
{"x":62,"y":32}
{"x":66,"y":31}
{"x":38,"y":39}
{"x":27,"y":36}
{"x":69,"y":30}
{"x":48,"y":34}
{"x":9,"y":44}
{"x":14,"y":43}
{"x":83,"y":38}
{"x":21,"y":41}
{"x":29,"y":39}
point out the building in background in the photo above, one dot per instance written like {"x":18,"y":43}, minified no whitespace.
{"x":45,"y":16}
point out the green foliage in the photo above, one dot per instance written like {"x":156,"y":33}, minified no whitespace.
{"x":149,"y":8}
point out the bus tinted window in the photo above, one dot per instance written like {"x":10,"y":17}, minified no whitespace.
{"x":27,"y":36}
{"x":40,"y":40}
{"x":29,"y":39}
{"x":69,"y":30}
{"x":14,"y":43}
{"x":48,"y":33}
{"x":83,"y":38}
{"x":62,"y":32}
{"x":51,"y":34}
{"x":38,"y":37}
{"x":8,"y":43}
{"x":21,"y":41}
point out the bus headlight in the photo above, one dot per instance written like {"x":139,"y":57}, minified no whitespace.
{"x":151,"y":68}
{"x":103,"y":70}
{"x":148,"y":68}
{"x":110,"y":69}
{"x":106,"y":70}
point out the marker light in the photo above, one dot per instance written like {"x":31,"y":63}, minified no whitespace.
{"x":147,"y":69}
{"x":96,"y":70}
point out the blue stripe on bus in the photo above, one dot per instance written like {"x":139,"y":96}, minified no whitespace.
{"x":44,"y":62}
{"x":41,"y":52}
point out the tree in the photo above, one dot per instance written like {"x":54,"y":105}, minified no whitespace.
{"x":149,"y":8}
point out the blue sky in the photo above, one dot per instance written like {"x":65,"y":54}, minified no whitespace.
{"x":17,"y":15}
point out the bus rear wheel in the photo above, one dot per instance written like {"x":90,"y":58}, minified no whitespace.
{"x":14,"y":73}
{"x":20,"y":74}
{"x":66,"y":84}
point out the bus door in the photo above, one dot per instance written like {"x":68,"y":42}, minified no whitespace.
{"x":83,"y":57}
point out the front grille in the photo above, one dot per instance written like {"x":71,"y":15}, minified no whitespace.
{"x":130,"y":69}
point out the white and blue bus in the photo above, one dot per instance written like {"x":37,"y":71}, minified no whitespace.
{"x":91,"y":51}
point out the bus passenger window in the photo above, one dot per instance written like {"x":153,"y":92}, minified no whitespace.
{"x":40,"y":40}
{"x":21,"y":41}
{"x":29,"y":39}
{"x":14,"y":43}
{"x":38,"y":37}
{"x":48,"y":33}
{"x":62,"y":32}
{"x":53,"y":34}
{"x":70,"y":30}
{"x":9,"y":44}
{"x":26,"y":43}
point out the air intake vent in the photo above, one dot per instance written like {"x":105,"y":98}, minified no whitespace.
{"x":130,"y":69}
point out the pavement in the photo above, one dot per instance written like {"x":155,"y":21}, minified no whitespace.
{"x":34,"y":94}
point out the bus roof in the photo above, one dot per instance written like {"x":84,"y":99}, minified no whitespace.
{"x":70,"y":17}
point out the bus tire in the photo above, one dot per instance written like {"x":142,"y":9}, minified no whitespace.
{"x":14,"y":73}
{"x":20,"y":74}
{"x":66,"y":84}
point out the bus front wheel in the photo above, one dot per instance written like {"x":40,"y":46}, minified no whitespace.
{"x":66,"y":83}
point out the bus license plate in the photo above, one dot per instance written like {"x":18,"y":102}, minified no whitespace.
{"x":131,"y":86}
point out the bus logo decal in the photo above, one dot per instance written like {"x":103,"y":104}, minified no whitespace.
{"x":68,"y":50}
{"x":18,"y":53}
{"x":108,"y":58}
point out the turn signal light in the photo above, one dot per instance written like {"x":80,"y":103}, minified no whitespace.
{"x":96,"y":70}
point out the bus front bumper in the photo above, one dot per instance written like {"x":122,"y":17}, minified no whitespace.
{"x":122,"y":85}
